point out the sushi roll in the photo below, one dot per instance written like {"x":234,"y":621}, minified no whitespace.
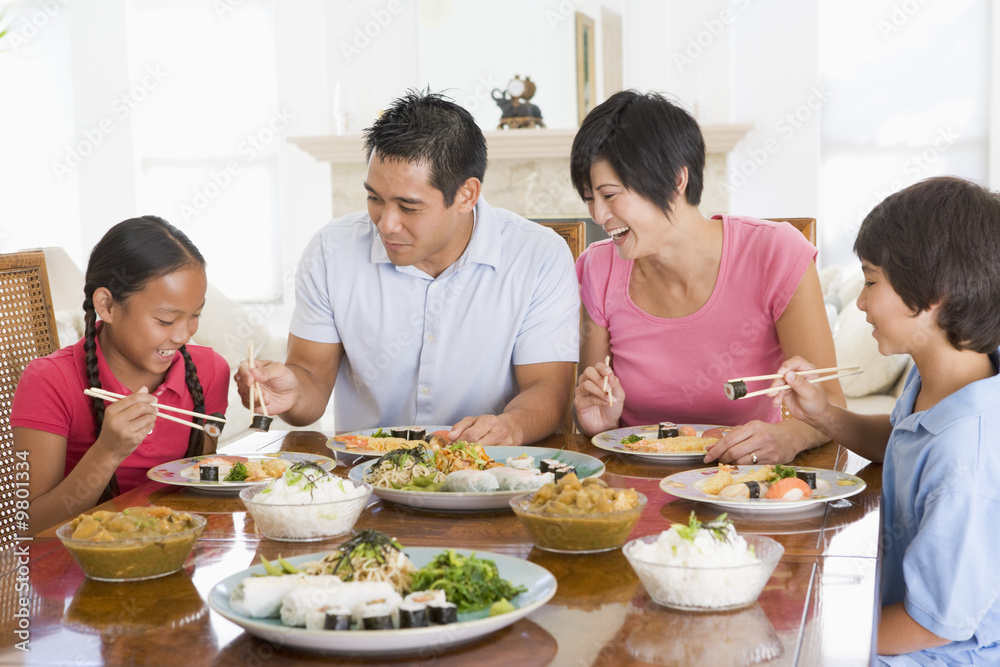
{"x":399,"y":433}
{"x":562,"y":471}
{"x":377,"y":615}
{"x":425,"y":597}
{"x":442,"y":613}
{"x":735,"y":389}
{"x":416,"y":434}
{"x":549,"y":465}
{"x":337,"y":618}
{"x":789,"y":488}
{"x":744,"y":490}
{"x":208,"y":472}
{"x":261,"y":423}
{"x":807,"y":476}
{"x":522,"y":462}
{"x":413,"y":615}
{"x":667,"y":430}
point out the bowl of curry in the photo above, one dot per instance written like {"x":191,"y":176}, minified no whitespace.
{"x":570,"y":516}
{"x":133,"y":544}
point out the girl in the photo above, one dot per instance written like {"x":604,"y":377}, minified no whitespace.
{"x":146,"y":282}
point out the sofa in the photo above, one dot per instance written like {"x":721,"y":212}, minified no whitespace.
{"x":225,"y":326}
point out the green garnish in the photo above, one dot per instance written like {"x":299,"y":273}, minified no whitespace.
{"x":632,"y":439}
{"x":380,"y":434}
{"x":238,"y":473}
{"x":783,"y":471}
{"x":718,"y":527}
{"x":471,"y":583}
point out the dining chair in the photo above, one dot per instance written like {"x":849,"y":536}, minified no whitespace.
{"x":27,"y":331}
{"x":574,"y":232}
{"x":805,"y":225}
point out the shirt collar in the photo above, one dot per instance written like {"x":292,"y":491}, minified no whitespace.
{"x":483,"y":248}
{"x":975,"y":399}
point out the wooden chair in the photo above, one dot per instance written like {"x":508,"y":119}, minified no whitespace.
{"x":574,"y":232}
{"x":27,"y":330}
{"x":805,"y":225}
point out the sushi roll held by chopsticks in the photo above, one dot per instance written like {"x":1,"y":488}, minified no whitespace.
{"x":258,"y":422}
{"x":737,"y":389}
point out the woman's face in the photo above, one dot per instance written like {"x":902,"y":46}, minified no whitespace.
{"x":636,"y":225}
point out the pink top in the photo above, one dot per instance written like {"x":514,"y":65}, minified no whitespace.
{"x":49,"y":397}
{"x":674,"y":369}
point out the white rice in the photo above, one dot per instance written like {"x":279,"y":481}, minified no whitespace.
{"x":307,"y":505}
{"x":700,"y":573}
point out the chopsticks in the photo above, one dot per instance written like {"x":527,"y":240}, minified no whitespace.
{"x":111,"y":397}
{"x":255,"y":389}
{"x":737,"y":389}
{"x":607,"y":387}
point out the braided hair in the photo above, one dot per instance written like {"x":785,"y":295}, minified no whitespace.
{"x":131,"y":254}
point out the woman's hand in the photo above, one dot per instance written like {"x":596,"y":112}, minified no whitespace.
{"x":595,"y":412}
{"x":126,"y":424}
{"x":762,"y":442}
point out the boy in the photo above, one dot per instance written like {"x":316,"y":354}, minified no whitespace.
{"x":931,"y":258}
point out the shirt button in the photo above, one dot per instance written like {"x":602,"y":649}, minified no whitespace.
{"x":430,"y":338}
{"x":435,"y":285}
{"x":425,"y":390}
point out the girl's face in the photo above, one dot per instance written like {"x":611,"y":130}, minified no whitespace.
{"x":144,"y":333}
{"x":636,"y":225}
{"x":894,"y":325}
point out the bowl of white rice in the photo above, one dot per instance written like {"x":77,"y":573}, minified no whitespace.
{"x":306,"y":505}
{"x":703,"y":568}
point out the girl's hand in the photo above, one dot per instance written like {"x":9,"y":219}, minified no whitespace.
{"x":127,"y":422}
{"x":279,"y":384}
{"x":594,"y":411}
{"x":805,"y":401}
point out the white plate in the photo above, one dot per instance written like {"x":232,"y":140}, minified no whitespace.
{"x":336,"y":446}
{"x":453,"y":501}
{"x":540,"y":584}
{"x":170,"y":473}
{"x":612,"y":442}
{"x":685,"y":485}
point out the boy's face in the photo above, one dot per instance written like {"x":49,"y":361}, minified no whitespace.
{"x":894,"y":326}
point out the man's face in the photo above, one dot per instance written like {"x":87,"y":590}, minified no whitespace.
{"x":417,"y":229}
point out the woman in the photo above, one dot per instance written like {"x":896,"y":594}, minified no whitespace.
{"x":682,"y":303}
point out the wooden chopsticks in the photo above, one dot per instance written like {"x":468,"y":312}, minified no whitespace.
{"x":111,"y":397}
{"x":737,"y":388}
{"x":255,"y":390}
{"x":607,"y":387}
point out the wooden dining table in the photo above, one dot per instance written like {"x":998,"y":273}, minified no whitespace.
{"x":820,"y":606}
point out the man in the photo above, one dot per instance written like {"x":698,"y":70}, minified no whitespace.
{"x":432,"y":307}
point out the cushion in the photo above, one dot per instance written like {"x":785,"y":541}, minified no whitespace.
{"x":856,"y":346}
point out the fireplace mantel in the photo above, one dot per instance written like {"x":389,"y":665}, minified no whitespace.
{"x":506,"y":144}
{"x":528,"y":170}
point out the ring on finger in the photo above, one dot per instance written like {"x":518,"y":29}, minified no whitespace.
{"x":753,"y":457}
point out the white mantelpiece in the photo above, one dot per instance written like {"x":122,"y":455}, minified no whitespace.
{"x":528,"y":169}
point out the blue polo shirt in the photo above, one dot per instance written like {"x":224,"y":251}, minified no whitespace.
{"x":941,"y":521}
{"x":423,"y":350}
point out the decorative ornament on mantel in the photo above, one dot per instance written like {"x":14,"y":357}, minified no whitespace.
{"x":516,"y":112}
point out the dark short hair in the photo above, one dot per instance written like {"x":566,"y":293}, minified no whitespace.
{"x":938,"y":241}
{"x":647,"y":140}
{"x":430,"y":127}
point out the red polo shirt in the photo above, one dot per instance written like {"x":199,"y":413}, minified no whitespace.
{"x":50,"y":398}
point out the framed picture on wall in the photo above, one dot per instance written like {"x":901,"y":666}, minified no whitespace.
{"x":586,"y":66}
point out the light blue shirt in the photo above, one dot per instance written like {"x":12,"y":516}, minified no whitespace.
{"x":420,"y":350}
{"x":941,"y":521}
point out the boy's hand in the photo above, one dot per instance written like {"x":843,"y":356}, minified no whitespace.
{"x":805,"y":401}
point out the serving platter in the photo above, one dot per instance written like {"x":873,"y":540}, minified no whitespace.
{"x":175,"y":472}
{"x":538,"y":581}
{"x":686,"y":485}
{"x":612,"y":441}
{"x":455,"y":501}
{"x":342,"y":448}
